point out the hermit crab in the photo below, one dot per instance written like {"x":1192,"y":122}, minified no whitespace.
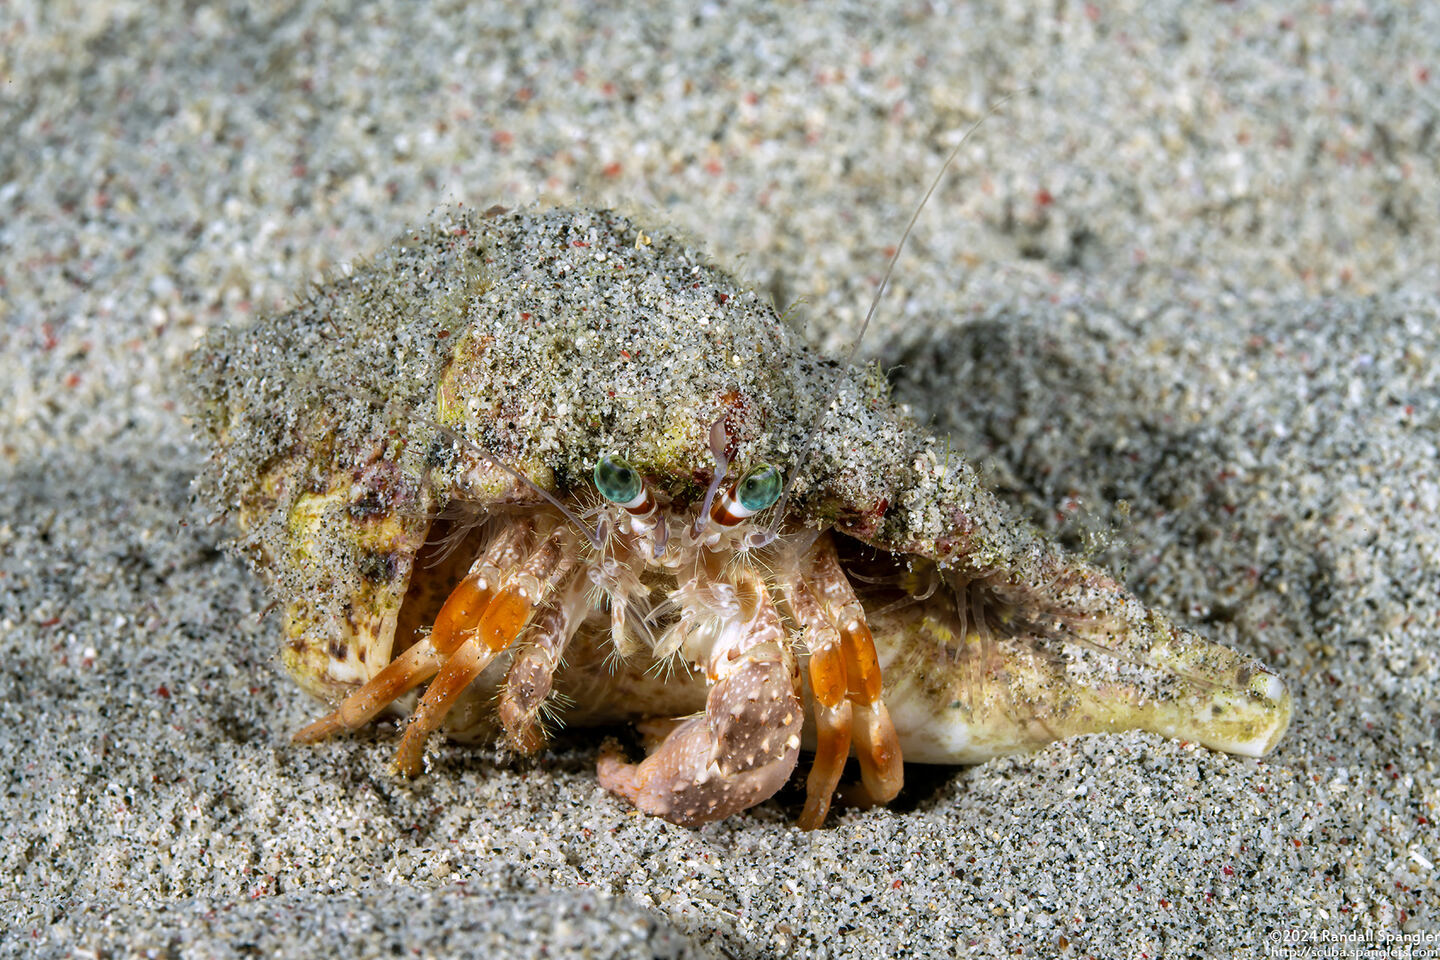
{"x":557,"y":469}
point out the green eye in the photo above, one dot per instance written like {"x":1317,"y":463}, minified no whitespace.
{"x":617,"y":480}
{"x":759,"y":489}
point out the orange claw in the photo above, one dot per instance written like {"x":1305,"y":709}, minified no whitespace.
{"x":486,"y":635}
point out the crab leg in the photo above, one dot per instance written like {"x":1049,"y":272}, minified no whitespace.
{"x":506,"y":614}
{"x":532,"y":673}
{"x":745,"y":745}
{"x":424,"y":658}
{"x":882,"y":770}
{"x":471,"y":596}
{"x":401,"y":675}
{"x":829,"y":685}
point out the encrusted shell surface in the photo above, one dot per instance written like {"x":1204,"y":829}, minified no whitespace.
{"x":549,"y":338}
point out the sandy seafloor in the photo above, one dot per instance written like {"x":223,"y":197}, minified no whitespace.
{"x":1179,"y":299}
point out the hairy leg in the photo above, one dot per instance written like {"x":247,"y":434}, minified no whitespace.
{"x":504,"y":617}
{"x":424,"y":658}
{"x":532,"y":672}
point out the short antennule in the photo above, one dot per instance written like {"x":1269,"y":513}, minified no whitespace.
{"x":719,"y":440}
{"x":772,"y":530}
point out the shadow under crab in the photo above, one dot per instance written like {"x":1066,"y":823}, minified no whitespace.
{"x":412,"y":456}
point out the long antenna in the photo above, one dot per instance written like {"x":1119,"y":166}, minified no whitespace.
{"x":761,"y":539}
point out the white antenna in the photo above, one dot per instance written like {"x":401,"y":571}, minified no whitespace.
{"x":768,"y":535}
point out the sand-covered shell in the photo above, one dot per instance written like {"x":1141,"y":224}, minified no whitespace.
{"x":358,"y":438}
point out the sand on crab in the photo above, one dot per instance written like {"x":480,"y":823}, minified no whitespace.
{"x":552,"y":461}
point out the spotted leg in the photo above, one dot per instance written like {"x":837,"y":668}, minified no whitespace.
{"x":532,"y":672}
{"x":424,"y":658}
{"x":507,"y":613}
{"x":882,"y":769}
{"x":743,"y":748}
